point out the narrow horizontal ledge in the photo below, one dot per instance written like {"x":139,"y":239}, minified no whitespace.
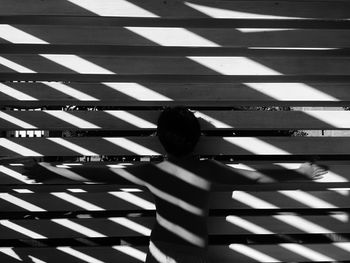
{"x":173,"y":22}
{"x":118,"y":50}
{"x":147,"y":105}
{"x":150,"y":146}
{"x":28,"y":215}
{"x":214,"y":240}
{"x":145,"y":120}
{"x":165,"y":78}
{"x":101,"y":188}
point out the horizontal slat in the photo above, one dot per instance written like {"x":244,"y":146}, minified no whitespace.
{"x":250,"y":202}
{"x":207,"y":37}
{"x":174,"y":22}
{"x":187,"y":94}
{"x":91,"y":146}
{"x":282,"y":253}
{"x":126,"y":227}
{"x":223,"y":254}
{"x":12,"y":180}
{"x":222,"y":37}
{"x":78,"y":254}
{"x":187,"y":66}
{"x":118,"y":50}
{"x":307,"y":9}
{"x":164,"y":78}
{"x":64,"y":187}
{"x":147,"y":120}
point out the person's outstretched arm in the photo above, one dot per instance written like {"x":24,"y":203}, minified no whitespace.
{"x":44,"y":172}
{"x":230,"y":175}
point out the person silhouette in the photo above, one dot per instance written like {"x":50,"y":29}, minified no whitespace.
{"x":181,"y":186}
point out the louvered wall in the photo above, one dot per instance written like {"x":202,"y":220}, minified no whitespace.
{"x":119,"y":62}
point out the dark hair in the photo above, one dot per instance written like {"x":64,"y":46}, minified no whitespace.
{"x":178,"y":131}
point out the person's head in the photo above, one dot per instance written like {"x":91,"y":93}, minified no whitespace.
{"x":178,"y":131}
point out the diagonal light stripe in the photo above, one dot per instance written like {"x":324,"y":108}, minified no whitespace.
{"x":131,"y":251}
{"x":118,"y":8}
{"x":306,"y":198}
{"x":245,"y":224}
{"x":23,"y":191}
{"x":340,"y":190}
{"x":131,"y":225}
{"x":21,"y":203}
{"x":78,"y":228}
{"x":338,"y":119}
{"x":314,"y":202}
{"x":224,"y":13}
{"x":16,"y":121}
{"x":216,"y":123}
{"x":10,"y":252}
{"x":298,"y":89}
{"x":135,"y":200}
{"x":131,"y":146}
{"x":258,"y":230}
{"x":77,"y":201}
{"x":235,"y":66}
{"x":70,"y":91}
{"x":55,"y":85}
{"x":295,"y":221}
{"x":131,"y":118}
{"x":72,"y":146}
{"x":15,"y":35}
{"x":14,"y":66}
{"x":180,"y":231}
{"x":215,"y":67}
{"x":80,"y":255}
{"x":307,"y":252}
{"x":11,"y":92}
{"x":278,"y":91}
{"x":255,"y":145}
{"x":184,"y":175}
{"x":291,"y":92}
{"x":76,"y":190}
{"x":63,"y":172}
{"x":128,"y":176}
{"x":343,"y":245}
{"x":159,"y":255}
{"x":159,"y":193}
{"x":137,"y":91}
{"x":71,"y":119}
{"x":302,"y":224}
{"x":292,"y":220}
{"x":36,"y":260}
{"x":77,"y":64}
{"x":252,"y":253}
{"x":17,"y":148}
{"x":21,"y":229}
{"x":251,"y":200}
{"x":259,"y":30}
{"x":16,"y":175}
{"x":131,"y":190}
{"x":171,"y":36}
